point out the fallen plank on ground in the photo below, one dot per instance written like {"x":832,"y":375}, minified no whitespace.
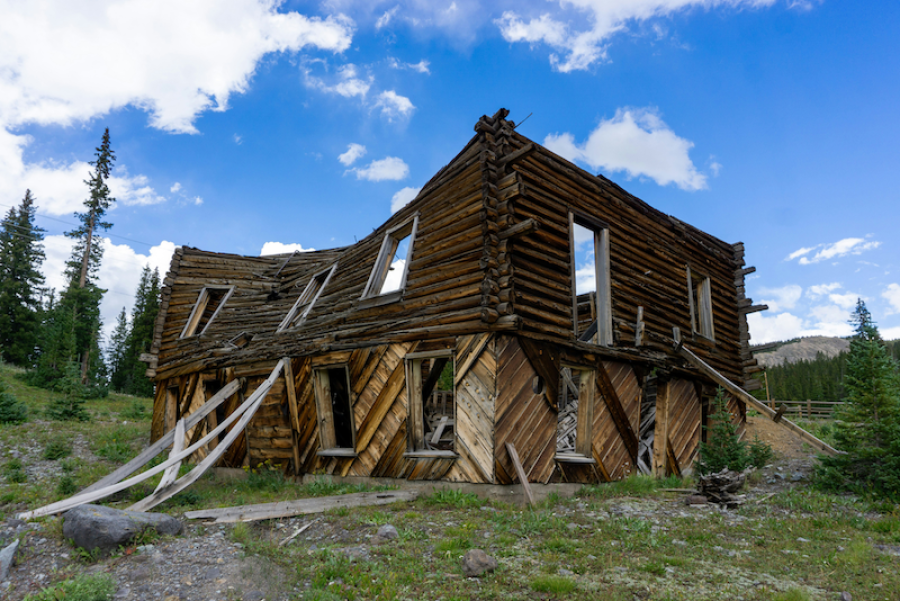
{"x":284,"y":509}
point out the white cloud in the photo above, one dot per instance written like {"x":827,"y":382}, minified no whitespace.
{"x":238,"y":139}
{"x":403,"y":197}
{"x":581,"y":29}
{"x":385,"y":19}
{"x":58,"y":187}
{"x":120,"y":272}
{"x":845,"y":301}
{"x":176,"y":187}
{"x":198,"y":201}
{"x":278,"y":248}
{"x":766,"y":328}
{"x":841,"y":248}
{"x":354,"y":151}
{"x":393,"y":105}
{"x":347,"y":83}
{"x":420,"y":67}
{"x":389,"y":168}
{"x":891,"y":333}
{"x":892,"y":295}
{"x":174,"y":59}
{"x":780,"y":299}
{"x":820,"y":290}
{"x":637,"y":142}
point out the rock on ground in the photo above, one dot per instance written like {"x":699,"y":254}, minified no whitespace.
{"x":7,"y":559}
{"x":98,"y":527}
{"x":476,"y":562}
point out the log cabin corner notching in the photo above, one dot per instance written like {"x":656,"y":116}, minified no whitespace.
{"x":518,"y":299}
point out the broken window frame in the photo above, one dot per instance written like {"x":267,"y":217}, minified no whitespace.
{"x":389,"y":244}
{"x":603,"y":293}
{"x":292,"y":319}
{"x":325,"y":412}
{"x":700,"y":303}
{"x":190,"y":328}
{"x":415,"y":425}
{"x":587,"y":391}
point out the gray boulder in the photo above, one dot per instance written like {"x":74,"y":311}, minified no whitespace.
{"x":476,"y":562}
{"x":385,"y":533}
{"x":7,"y":559}
{"x":98,"y":527}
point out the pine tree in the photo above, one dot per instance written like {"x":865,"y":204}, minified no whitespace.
{"x":143,"y":321}
{"x":117,"y":351}
{"x":868,"y":430}
{"x":87,"y":253}
{"x":21,"y":255}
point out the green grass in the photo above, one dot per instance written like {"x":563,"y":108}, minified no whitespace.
{"x":556,"y":585}
{"x":97,"y":587}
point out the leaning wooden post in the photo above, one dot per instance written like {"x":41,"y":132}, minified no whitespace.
{"x":661,"y":432}
{"x":520,"y":471}
{"x":808,"y":409}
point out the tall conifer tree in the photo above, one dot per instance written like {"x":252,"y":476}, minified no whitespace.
{"x":21,"y":255}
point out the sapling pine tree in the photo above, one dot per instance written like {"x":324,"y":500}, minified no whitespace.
{"x":723,"y":448}
{"x":868,"y":426}
{"x":12,"y":411}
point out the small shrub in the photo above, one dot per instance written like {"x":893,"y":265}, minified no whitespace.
{"x":12,"y":411}
{"x":555,"y":585}
{"x":792,"y":594}
{"x":66,"y":486}
{"x":86,"y":587}
{"x":759,"y":452}
{"x":57,"y":449}
{"x":135,"y":410}
{"x":723,"y":449}
{"x":14,"y":471}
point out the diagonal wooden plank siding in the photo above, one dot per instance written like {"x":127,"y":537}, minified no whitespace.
{"x":524,"y":417}
{"x":684,"y":422}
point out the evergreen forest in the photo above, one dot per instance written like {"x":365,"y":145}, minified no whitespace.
{"x":56,"y":335}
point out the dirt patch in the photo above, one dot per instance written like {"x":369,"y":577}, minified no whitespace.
{"x":785,"y":443}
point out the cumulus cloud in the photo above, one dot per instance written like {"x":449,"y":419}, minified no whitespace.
{"x":120,"y":272}
{"x":820,"y":290}
{"x":176,"y":187}
{"x":394,"y":106}
{"x":780,"y":299}
{"x":389,"y":168}
{"x":580,"y":30}
{"x":403,"y":197}
{"x":845,"y":301}
{"x":892,"y":295}
{"x":635,"y":141}
{"x":279,"y":248}
{"x":891,"y":333}
{"x":347,"y":82}
{"x":766,"y":328}
{"x":354,"y":151}
{"x":836,"y":250}
{"x":171,"y":58}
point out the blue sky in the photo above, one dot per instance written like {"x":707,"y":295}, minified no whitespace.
{"x":252,"y":126}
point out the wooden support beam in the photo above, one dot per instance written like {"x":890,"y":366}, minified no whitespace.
{"x":661,"y":432}
{"x":167,"y":439}
{"x":744,"y":396}
{"x":752,"y":309}
{"x":617,"y":411}
{"x":172,"y":471}
{"x":639,"y":327}
{"x":520,"y":472}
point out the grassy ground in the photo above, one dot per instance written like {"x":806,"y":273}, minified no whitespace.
{"x":628,"y":540}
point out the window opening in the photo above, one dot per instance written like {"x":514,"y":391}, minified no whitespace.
{"x":700,"y":302}
{"x":209,"y":303}
{"x":335,"y":410}
{"x":432,"y":407}
{"x":576,"y":412}
{"x":591,"y":303}
{"x":307,"y":299}
{"x":392,"y":265}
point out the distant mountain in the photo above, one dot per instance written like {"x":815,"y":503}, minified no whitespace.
{"x":803,"y":349}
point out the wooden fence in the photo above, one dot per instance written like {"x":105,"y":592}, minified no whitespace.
{"x":808,"y":409}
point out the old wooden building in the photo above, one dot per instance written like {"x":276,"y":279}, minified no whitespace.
{"x":518,"y":299}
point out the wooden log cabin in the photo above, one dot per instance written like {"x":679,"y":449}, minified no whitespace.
{"x":517,"y":299}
